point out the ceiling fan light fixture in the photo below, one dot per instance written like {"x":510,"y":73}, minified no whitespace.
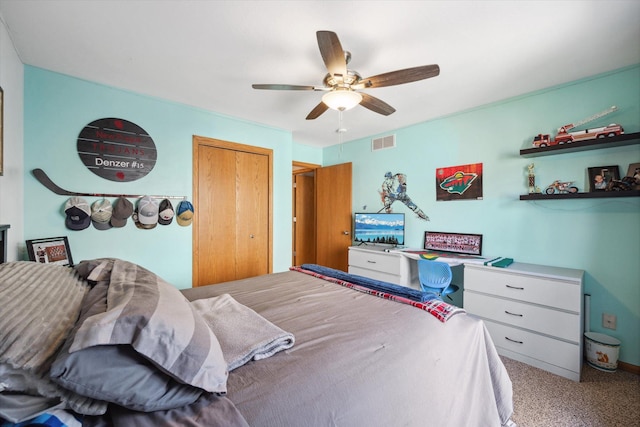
{"x":341,"y":99}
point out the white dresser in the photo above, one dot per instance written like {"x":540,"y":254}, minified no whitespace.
{"x":376,"y":263}
{"x":534,"y":313}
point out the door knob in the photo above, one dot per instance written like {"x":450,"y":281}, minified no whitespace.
{"x":346,"y":233}
{"x":251,"y":236}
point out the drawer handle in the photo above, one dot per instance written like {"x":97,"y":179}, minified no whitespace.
{"x":513,"y":314}
{"x":514,"y":287}
{"x":371,"y":262}
{"x":515,"y":341}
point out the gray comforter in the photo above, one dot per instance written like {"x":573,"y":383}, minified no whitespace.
{"x":360,"y":360}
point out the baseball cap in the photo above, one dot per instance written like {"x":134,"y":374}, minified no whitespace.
{"x":184,"y":213}
{"x":101,"y":211}
{"x":122,"y":209}
{"x":78,"y":213}
{"x":148,"y":212}
{"x":165,"y":212}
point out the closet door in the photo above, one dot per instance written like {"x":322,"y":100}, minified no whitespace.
{"x":252,"y":215}
{"x":233,"y":216}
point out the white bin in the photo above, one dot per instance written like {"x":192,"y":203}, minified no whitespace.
{"x":602,"y":351}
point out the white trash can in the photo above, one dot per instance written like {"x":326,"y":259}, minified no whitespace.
{"x":602,"y":351}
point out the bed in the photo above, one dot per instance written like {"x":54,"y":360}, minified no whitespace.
{"x":296,"y":348}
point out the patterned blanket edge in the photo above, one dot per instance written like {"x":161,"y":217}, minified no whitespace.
{"x":438,"y":308}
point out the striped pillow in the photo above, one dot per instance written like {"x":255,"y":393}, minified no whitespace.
{"x":157,"y":321}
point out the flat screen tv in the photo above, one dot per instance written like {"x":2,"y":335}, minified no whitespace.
{"x":379,"y":228}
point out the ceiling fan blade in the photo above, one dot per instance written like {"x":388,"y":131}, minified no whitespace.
{"x":332,"y":52}
{"x":376,"y":105}
{"x":317,"y":111}
{"x":399,"y":77}
{"x":283,"y":87}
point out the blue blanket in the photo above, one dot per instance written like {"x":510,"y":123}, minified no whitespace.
{"x":378,"y":285}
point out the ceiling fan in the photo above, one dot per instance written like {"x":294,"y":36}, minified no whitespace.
{"x":342,"y":84}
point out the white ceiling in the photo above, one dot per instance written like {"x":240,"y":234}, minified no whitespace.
{"x":208,"y":53}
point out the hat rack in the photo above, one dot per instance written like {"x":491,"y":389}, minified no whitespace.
{"x":44,"y":179}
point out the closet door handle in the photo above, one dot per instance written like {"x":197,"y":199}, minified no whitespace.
{"x":513,"y":314}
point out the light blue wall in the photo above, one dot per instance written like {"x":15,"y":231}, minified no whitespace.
{"x":57,"y":107}
{"x":307,"y":154}
{"x":600,"y":236}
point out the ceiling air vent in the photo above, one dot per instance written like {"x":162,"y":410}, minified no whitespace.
{"x":383,"y":143}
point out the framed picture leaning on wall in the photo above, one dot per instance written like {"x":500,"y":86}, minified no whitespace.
{"x":634,"y":172}
{"x":600,"y":176}
{"x":54,"y":250}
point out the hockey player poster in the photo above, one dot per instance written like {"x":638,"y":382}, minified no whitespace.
{"x":459,"y":182}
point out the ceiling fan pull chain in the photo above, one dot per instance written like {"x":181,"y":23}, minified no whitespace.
{"x":340,"y":130}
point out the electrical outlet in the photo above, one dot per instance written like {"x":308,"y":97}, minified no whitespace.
{"x":609,"y":321}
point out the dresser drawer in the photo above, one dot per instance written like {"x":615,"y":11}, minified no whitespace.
{"x":501,"y":282}
{"x":371,"y":260}
{"x":376,"y":275}
{"x":530,"y":344}
{"x":548,"y":321}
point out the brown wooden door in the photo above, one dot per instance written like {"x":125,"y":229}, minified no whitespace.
{"x":232,"y":224}
{"x":252,"y":215}
{"x":333,"y":216}
{"x":304,"y":227}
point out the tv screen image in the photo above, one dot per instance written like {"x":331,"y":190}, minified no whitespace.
{"x":382,"y":228}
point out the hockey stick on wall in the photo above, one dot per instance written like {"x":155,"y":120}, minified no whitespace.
{"x":44,"y":179}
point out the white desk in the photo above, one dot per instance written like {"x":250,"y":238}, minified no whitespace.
{"x":400,"y":266}
{"x":397,"y":266}
{"x":452,"y":261}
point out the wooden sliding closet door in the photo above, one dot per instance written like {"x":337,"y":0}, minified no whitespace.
{"x":252,"y":215}
{"x":232,"y":225}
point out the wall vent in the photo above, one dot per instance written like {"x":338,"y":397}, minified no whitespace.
{"x":383,"y":143}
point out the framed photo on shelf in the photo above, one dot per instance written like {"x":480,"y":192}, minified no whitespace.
{"x":601,"y":176}
{"x":54,"y":250}
{"x":634,"y":170}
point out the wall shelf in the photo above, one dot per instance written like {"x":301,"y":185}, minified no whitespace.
{"x":592,"y":195}
{"x":594,"y":144}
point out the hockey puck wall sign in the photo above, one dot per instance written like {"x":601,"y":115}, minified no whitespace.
{"x":117,"y":150}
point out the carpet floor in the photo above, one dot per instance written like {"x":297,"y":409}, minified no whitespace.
{"x":600,"y":399}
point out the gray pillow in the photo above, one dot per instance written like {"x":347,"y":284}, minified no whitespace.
{"x":117,"y":373}
{"x":157,"y":321}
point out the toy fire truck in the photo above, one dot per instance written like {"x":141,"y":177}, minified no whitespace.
{"x":566,"y":136}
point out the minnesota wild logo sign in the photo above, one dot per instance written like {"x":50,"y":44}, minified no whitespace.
{"x":459,"y":182}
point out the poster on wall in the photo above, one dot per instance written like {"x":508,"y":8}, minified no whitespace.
{"x":394,"y":188}
{"x":459,"y":182}
{"x":116,"y":149}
